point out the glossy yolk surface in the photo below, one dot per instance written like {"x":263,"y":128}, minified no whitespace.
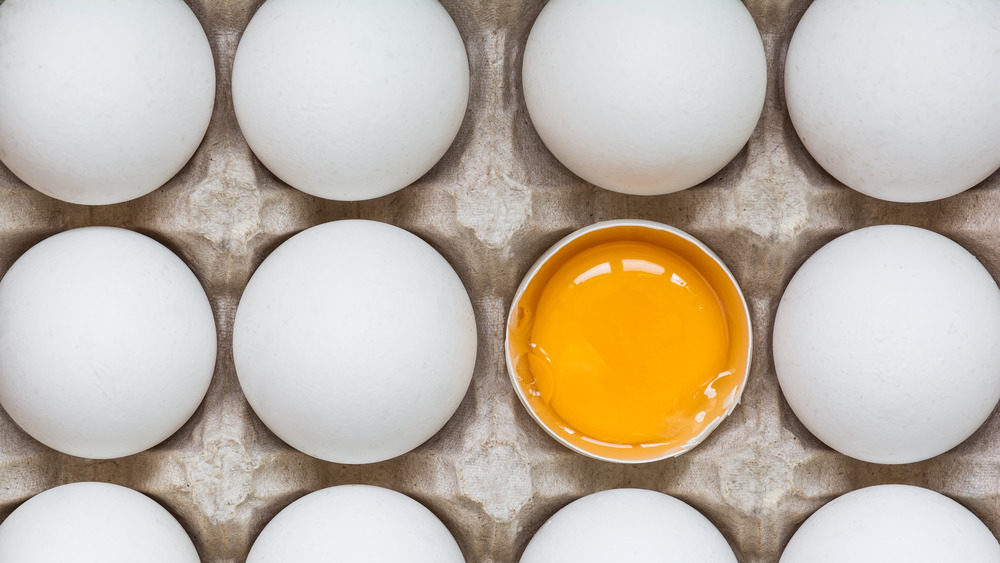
{"x":626,"y":343}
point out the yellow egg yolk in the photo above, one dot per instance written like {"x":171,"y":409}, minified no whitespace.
{"x":627,"y":340}
{"x":625,"y":343}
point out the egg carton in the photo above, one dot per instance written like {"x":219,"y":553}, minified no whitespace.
{"x":495,"y":203}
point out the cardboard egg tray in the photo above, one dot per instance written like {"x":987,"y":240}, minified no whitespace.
{"x":495,"y":203}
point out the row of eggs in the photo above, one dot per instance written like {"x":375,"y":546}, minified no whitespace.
{"x":628,"y":341}
{"x":351,"y":99}
{"x":92,"y":522}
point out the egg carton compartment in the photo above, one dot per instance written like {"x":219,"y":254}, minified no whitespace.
{"x":494,"y":204}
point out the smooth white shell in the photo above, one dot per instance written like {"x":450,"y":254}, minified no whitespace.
{"x":355,"y":523}
{"x":102,"y":101}
{"x":355,"y":341}
{"x":350,"y":99}
{"x":107,"y":342}
{"x":634,"y":525}
{"x":887,"y":344}
{"x":93,"y":523}
{"x":644,"y":96}
{"x":892,"y":523}
{"x":898,"y":99}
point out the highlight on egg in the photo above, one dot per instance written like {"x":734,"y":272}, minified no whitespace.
{"x":102,"y":101}
{"x":355,"y":341}
{"x":629,"y":341}
{"x":644,"y":97}
{"x":93,"y":522}
{"x":898,"y":99}
{"x":107,"y":342}
{"x":634,"y":525}
{"x":350,"y":99}
{"x":355,"y":523}
{"x":892,"y":523}
{"x":887,"y":344}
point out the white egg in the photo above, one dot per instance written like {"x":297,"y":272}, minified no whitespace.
{"x":634,"y":525}
{"x":350,"y":99}
{"x":644,"y":96}
{"x":898,"y":99}
{"x":887,"y":344}
{"x":107,"y":342}
{"x":93,"y":523}
{"x":355,"y":341}
{"x":892,"y":523}
{"x":355,"y":523}
{"x":102,"y":101}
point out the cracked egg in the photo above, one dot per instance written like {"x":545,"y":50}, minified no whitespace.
{"x":629,"y":341}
